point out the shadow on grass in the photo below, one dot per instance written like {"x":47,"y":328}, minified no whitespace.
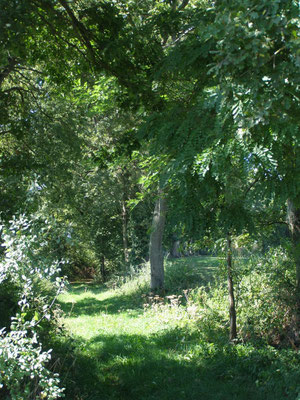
{"x":79,"y":288}
{"x":181,"y":274}
{"x":123,"y":367}
{"x":113,"y":305}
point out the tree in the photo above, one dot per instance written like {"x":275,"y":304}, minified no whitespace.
{"x":243,"y":90}
{"x":156,"y":240}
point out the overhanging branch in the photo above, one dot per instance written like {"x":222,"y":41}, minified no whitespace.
{"x":7,"y":70}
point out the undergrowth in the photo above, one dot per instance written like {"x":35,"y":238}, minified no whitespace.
{"x":129,"y":343}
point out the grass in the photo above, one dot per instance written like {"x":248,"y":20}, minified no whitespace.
{"x":121,"y":350}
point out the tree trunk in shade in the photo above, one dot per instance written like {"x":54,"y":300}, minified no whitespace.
{"x":156,"y":248}
{"x":174,"y":251}
{"x":102,"y":268}
{"x":232,"y":312}
{"x":124,"y":199}
{"x":125,"y":232}
{"x":293,"y":218}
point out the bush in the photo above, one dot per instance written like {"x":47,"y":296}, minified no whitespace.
{"x":265,"y":296}
{"x":24,"y":365}
{"x":30,"y":269}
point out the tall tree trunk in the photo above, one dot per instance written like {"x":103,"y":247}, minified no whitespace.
{"x":102,"y":268}
{"x":174,"y":251}
{"x":293,"y":217}
{"x":125,"y":184}
{"x":156,"y":248}
{"x":232,"y":312}
{"x":125,"y":231}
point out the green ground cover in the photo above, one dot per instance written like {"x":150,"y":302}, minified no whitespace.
{"x":128,"y":345}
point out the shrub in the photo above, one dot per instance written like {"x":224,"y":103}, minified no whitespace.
{"x":266,"y":296}
{"x":31,"y":269}
{"x":264,"y":293}
{"x":23,"y":366}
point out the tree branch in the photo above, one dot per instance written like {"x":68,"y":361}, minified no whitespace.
{"x":183,"y":5}
{"x":15,"y":88}
{"x":7,"y":70}
{"x":29,"y":69}
{"x":56,"y":34}
{"x":80,"y":28}
{"x":274,"y":223}
{"x":251,"y":185}
{"x":5,"y":132}
{"x":179,"y":37}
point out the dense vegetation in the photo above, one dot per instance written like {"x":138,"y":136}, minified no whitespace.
{"x":132,"y":132}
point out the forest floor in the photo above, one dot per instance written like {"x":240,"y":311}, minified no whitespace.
{"x":128,"y":345}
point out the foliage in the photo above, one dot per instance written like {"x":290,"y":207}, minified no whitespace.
{"x":32,"y":269}
{"x":265,"y":290}
{"x":266,"y":297}
{"x":23,"y":366}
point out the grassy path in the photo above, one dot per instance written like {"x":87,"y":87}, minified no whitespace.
{"x":125,"y":352}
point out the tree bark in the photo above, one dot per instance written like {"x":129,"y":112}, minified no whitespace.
{"x":293,"y":219}
{"x":174,"y":251}
{"x":125,"y":184}
{"x":232,"y":311}
{"x":156,"y":248}
{"x":125,"y":232}
{"x":102,"y":268}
